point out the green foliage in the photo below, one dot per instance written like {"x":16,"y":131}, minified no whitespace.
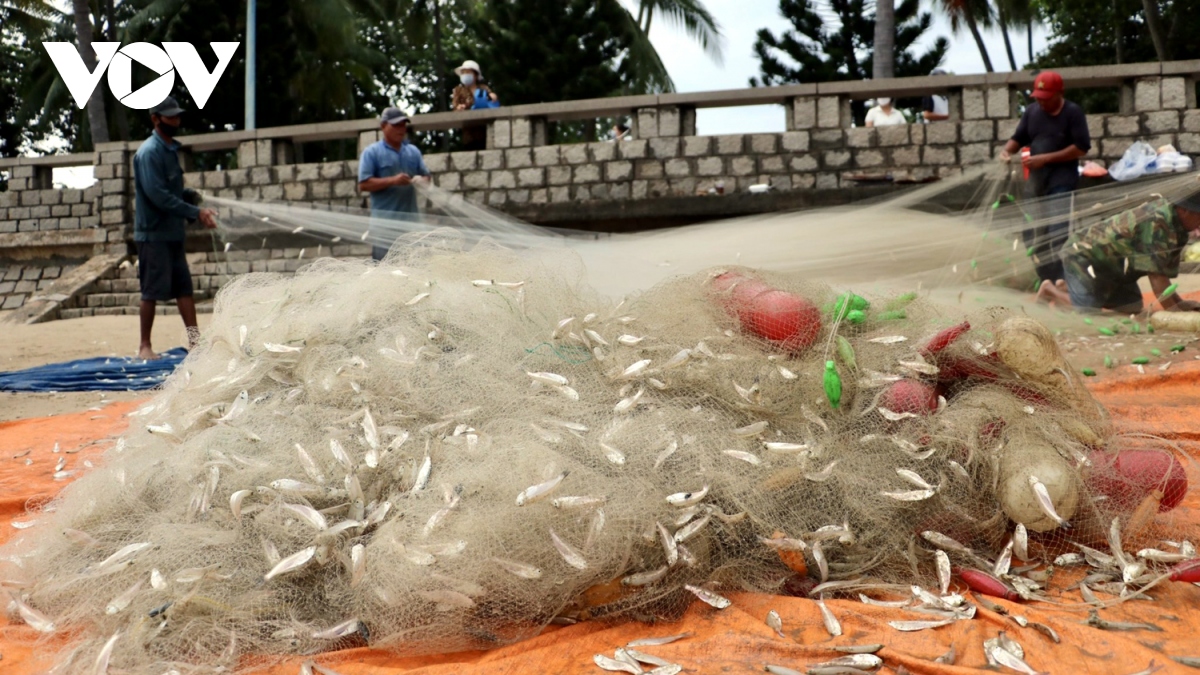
{"x":816,"y":52}
{"x":1100,"y":32}
{"x":550,"y":50}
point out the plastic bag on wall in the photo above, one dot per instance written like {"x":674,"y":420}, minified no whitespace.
{"x":1140,"y":159}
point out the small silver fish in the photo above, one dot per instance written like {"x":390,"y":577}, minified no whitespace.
{"x":657,"y":641}
{"x":687,"y":498}
{"x":942,"y":541}
{"x":309,"y":515}
{"x":518,"y":569}
{"x":775,"y":623}
{"x":666,"y":453}
{"x":822,"y":475}
{"x":448,"y":599}
{"x":943,"y":570}
{"x":831,"y":623}
{"x":1021,"y":542}
{"x":548,"y":378}
{"x":101,"y":665}
{"x":423,"y":475}
{"x":540,"y":491}
{"x":688,"y":531}
{"x":291,"y":563}
{"x":615,"y":666}
{"x":784,"y":544}
{"x":309,"y":466}
{"x":911,"y":495}
{"x":595,"y":337}
{"x":33,"y":618}
{"x":570,"y":555}
{"x":1009,"y":660}
{"x":416,"y":298}
{"x":818,"y":554}
{"x":276,"y":348}
{"x":339,"y":454}
{"x":1045,"y":503}
{"x":119,"y":603}
{"x":612,"y":454}
{"x":860,"y":661}
{"x":645,"y":578}
{"x":341,"y":630}
{"x":677,"y":360}
{"x":895,"y":416}
{"x":747,"y":457}
{"x":157,"y":582}
{"x":788,"y":448}
{"x":710,"y":598}
{"x":123,"y":555}
{"x":888,"y":340}
{"x":627,"y":404}
{"x":642,"y":657}
{"x":914,"y":478}
{"x":1003,"y":561}
{"x":577,"y":502}
{"x":629,"y":340}
{"x":919,"y":625}
{"x":668,"y":544}
{"x":751,"y":429}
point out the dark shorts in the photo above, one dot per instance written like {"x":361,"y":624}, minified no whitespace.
{"x":1123,"y":296}
{"x":163,"y":270}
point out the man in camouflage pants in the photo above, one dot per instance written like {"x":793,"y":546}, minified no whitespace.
{"x":1103,"y":262}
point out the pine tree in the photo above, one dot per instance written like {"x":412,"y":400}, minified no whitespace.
{"x":816,"y":51}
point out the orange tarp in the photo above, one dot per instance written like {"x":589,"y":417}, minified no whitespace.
{"x":736,"y":640}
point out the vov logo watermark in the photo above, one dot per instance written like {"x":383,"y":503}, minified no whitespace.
{"x":118,"y":61}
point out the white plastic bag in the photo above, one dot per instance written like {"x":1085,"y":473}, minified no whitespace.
{"x":1140,"y":159}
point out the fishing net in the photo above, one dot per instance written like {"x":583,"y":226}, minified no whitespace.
{"x":454,"y":448}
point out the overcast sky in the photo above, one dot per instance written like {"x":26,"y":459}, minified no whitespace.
{"x":740,"y":20}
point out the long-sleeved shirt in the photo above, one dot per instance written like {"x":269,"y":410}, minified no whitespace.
{"x":160,"y":210}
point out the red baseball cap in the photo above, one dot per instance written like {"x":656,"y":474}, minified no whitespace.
{"x":1047,"y":84}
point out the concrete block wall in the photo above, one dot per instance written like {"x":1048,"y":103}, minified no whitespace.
{"x":32,"y":204}
{"x":819,"y":150}
{"x":20,"y":281}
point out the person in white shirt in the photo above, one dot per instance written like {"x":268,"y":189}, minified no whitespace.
{"x":884,"y":115}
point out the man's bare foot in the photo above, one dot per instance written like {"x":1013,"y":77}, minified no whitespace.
{"x":1045,"y":292}
{"x":1051,"y":293}
{"x":146,"y":353}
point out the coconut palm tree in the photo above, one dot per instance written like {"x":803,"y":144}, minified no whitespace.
{"x":97,"y":120}
{"x":884,"y":64}
{"x":1017,"y":14}
{"x":974,"y":14}
{"x":644,"y":68}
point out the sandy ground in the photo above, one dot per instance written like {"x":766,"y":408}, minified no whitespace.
{"x":42,"y":343}
{"x":27,"y":346}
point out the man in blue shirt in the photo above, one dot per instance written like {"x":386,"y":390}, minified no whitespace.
{"x":162,"y":209}
{"x":388,"y":169}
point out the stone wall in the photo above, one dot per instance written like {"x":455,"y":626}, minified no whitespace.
{"x":819,"y":151}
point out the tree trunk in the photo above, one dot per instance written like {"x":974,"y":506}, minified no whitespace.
{"x":97,"y":122}
{"x":1012,"y":59}
{"x":1118,"y":32}
{"x":884,"y":65}
{"x":1029,"y":38}
{"x":983,"y":52}
{"x":118,"y":111}
{"x":439,"y":56}
{"x":1154,"y":24}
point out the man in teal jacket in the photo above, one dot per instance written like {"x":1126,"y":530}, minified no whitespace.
{"x":163,"y":208}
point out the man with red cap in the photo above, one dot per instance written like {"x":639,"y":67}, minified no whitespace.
{"x":1056,"y":132}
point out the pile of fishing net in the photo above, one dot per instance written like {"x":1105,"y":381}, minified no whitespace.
{"x":455,"y":448}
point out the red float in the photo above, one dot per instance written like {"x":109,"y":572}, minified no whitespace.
{"x":788,"y":320}
{"x":1128,"y":475}
{"x":910,"y":396}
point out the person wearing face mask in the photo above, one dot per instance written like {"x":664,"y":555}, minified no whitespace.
{"x":473,"y":94}
{"x":884,"y":115}
{"x":162,"y":209}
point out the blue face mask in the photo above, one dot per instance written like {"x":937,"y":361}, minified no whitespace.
{"x":467,"y":79}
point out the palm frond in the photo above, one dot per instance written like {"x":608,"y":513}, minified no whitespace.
{"x":696,"y":21}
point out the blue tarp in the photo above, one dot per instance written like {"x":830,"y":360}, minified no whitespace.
{"x":101,"y":374}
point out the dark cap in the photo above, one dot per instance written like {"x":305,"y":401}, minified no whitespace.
{"x":1047,"y":85}
{"x":1190,"y":203}
{"x":168,"y":108}
{"x":393,"y":116}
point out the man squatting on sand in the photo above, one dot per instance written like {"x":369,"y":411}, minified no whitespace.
{"x":1103,"y":261}
{"x":163,"y":207}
